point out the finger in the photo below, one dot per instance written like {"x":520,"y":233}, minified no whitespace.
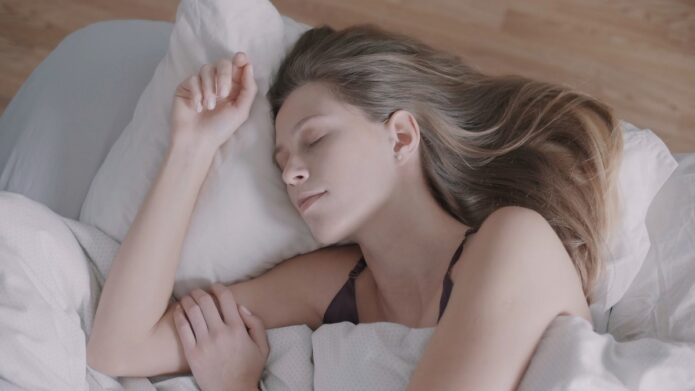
{"x":238,"y":62}
{"x":184,"y":330}
{"x":223,"y":78}
{"x":256,"y":329}
{"x":195,"y":317}
{"x":215,"y":290}
{"x":207,"y":81}
{"x":193,"y":85}
{"x":208,"y":308}
{"x":247,"y":91}
{"x":228,"y":304}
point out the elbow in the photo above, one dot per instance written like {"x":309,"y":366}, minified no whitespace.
{"x":111,"y":353}
{"x":97,"y":361}
{"x":102,"y":359}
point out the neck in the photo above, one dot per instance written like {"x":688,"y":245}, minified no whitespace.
{"x":408,"y":244}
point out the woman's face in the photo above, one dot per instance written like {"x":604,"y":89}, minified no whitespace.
{"x":324,"y":145}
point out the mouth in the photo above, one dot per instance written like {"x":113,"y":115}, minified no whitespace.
{"x":306,"y":203}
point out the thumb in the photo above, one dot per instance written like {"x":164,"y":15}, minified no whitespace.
{"x":256,"y":329}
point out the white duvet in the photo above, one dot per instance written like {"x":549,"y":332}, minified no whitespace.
{"x":52,"y":268}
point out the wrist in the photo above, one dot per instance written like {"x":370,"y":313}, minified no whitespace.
{"x":193,"y":148}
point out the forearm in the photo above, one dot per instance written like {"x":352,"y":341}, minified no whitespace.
{"x":141,"y":279}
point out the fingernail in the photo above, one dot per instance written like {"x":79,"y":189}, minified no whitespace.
{"x":198,"y":107}
{"x":211,"y":104}
{"x":245,"y":310}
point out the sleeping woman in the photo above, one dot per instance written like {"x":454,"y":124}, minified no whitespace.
{"x":474,"y":204}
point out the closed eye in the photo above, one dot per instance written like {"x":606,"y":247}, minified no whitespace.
{"x":310,"y":144}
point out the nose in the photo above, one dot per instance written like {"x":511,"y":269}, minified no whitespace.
{"x":294,"y":173}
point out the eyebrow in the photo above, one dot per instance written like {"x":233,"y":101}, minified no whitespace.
{"x":279,"y":148}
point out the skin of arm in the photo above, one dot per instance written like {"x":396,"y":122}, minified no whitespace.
{"x":516,"y":278}
{"x":141,"y":279}
{"x":136,"y":293}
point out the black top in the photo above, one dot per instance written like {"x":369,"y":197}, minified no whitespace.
{"x":344,"y":307}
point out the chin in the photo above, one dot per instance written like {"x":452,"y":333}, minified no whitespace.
{"x":322,"y":234}
{"x":321,"y":238}
{"x":331,"y":233}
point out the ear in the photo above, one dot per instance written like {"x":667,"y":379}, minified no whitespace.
{"x":404,"y":133}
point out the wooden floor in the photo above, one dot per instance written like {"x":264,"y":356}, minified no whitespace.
{"x":637,"y":55}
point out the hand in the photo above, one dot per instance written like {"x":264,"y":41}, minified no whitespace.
{"x":220,"y":352}
{"x":211,"y":105}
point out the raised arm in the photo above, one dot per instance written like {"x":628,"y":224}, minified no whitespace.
{"x":140,"y":282}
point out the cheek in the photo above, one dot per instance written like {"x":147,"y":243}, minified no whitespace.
{"x":357,"y":168}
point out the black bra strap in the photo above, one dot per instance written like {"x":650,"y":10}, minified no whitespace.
{"x":361,"y":264}
{"x":448,"y":285}
{"x":457,"y":254}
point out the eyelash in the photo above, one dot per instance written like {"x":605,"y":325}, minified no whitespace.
{"x":317,"y":140}
{"x":312,"y":143}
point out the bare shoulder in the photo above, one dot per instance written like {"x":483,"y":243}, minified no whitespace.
{"x":515,"y":278}
{"x":510,"y":229}
{"x":517,"y":245}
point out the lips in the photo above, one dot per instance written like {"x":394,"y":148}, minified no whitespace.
{"x":305,"y":203}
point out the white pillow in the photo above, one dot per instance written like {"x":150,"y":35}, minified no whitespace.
{"x":661,"y":300}
{"x":244,"y":223}
{"x":647,"y":164}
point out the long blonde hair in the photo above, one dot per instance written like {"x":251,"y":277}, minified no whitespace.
{"x":486,"y":141}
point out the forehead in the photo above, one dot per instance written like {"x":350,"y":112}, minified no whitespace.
{"x":306,"y":101}
{"x":310,"y":100}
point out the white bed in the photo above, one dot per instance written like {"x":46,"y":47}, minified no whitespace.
{"x":54,"y":136}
